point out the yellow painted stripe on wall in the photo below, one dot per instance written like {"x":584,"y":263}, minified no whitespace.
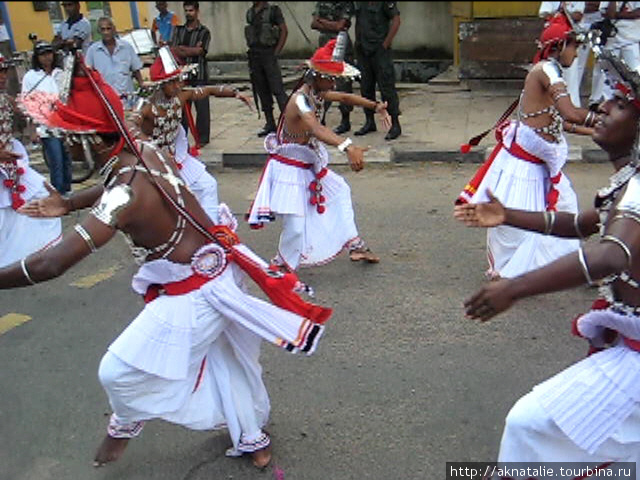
{"x":91,"y":280}
{"x":12,"y":320}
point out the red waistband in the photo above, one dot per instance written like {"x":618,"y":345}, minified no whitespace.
{"x":291,"y":161}
{"x":519,"y":152}
{"x":225,"y":237}
{"x":181,"y":287}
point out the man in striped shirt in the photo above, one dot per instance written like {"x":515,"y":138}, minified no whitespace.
{"x":190,"y":44}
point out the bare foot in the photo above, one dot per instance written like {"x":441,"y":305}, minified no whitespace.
{"x":109,"y":450}
{"x":365,"y":254}
{"x":261,"y":458}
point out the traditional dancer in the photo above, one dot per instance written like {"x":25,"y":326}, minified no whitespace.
{"x":19,"y":234}
{"x":191,"y":355}
{"x":158,"y":118}
{"x":589,"y":412}
{"x":525,"y":169}
{"x":314,"y":202}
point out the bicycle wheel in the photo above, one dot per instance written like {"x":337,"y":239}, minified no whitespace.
{"x":81,"y":170}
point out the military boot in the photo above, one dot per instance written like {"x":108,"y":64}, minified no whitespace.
{"x":269,"y":126}
{"x":395,"y":130}
{"x":344,"y":127}
{"x":369,"y":126}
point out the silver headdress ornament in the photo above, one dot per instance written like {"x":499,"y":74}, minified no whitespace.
{"x":168,"y":61}
{"x":68,"y":66}
{"x":580,"y":32}
{"x":171,"y":71}
{"x":340,"y":49}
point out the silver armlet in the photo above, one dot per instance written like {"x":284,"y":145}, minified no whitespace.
{"x":86,"y":237}
{"x":621,"y":244}
{"x":25,"y":272}
{"x":111,"y":203}
{"x":559,"y":95}
{"x":549,"y":222}
{"x":585,"y":267}
{"x":303,"y":103}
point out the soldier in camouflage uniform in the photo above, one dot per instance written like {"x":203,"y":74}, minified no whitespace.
{"x":266,"y":33}
{"x":376,"y":25}
{"x":331,"y":18}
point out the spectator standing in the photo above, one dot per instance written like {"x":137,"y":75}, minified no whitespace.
{"x":624,"y":44}
{"x":266,"y":33}
{"x":591,"y":16}
{"x":116,"y":60}
{"x":331,"y":18}
{"x":376,"y":26}
{"x":45,"y":76}
{"x":75,"y":31}
{"x":163,"y":24}
{"x":190,"y":43}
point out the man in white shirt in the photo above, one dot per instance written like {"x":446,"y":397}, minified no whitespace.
{"x":116,"y":60}
{"x":624,"y":44}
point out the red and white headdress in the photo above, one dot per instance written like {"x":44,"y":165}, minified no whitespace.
{"x":557,"y":30}
{"x":165,"y":68}
{"x":328,"y":60}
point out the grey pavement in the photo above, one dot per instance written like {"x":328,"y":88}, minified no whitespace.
{"x":436,"y":118}
{"x":401,"y":382}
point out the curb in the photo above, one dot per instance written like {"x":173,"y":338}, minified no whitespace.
{"x":399,"y":156}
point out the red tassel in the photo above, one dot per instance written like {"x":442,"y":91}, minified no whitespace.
{"x":17,"y":203}
{"x":21,"y":188}
{"x":193,"y":151}
{"x":466,"y":148}
{"x":321,"y":209}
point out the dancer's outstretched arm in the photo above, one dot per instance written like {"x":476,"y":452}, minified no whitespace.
{"x":558,"y":224}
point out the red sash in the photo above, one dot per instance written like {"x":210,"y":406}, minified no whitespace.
{"x":280,"y":288}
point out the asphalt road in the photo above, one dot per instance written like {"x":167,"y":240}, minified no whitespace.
{"x":401,"y":383}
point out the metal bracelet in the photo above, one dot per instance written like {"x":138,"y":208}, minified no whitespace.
{"x":86,"y":237}
{"x":590,"y":119}
{"x":576,"y":221}
{"x":549,"y":221}
{"x":585,"y":267}
{"x":25,"y":272}
{"x":623,"y":215}
{"x":621,"y":244}
{"x":344,"y":145}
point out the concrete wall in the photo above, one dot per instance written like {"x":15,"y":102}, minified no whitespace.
{"x":24,"y":20}
{"x":425,"y":26}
